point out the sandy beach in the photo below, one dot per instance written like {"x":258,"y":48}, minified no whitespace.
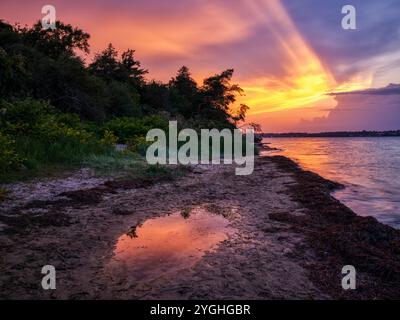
{"x":288,"y":237}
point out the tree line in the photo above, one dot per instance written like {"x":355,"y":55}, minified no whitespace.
{"x":48,"y":65}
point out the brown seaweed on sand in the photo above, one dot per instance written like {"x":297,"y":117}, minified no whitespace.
{"x":340,"y":237}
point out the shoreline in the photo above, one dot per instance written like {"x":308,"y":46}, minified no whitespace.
{"x":341,"y":237}
{"x":293,"y":239}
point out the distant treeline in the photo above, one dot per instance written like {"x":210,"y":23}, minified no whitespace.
{"x":392,"y":133}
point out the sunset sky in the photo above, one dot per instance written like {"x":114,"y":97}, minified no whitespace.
{"x":287,"y":54}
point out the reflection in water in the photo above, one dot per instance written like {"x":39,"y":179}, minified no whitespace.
{"x":168,"y":244}
{"x":369,"y":167}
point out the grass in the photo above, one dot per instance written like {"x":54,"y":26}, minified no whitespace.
{"x":63,"y":151}
{"x":112,"y":163}
{"x":115,"y":164}
{"x":44,"y":159}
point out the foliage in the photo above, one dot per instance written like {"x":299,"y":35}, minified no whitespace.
{"x":43,"y":136}
{"x":138,"y":144}
{"x":55,"y":108}
{"x":9,"y":158}
{"x":64,"y":39}
{"x":109,"y":139}
{"x":20,"y":116}
{"x":107,"y":66}
{"x":128,"y":128}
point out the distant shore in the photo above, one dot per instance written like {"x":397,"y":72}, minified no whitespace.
{"x":392,"y":133}
{"x":292,"y":239}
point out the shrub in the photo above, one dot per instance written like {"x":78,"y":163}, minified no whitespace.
{"x":48,"y":129}
{"x":69,"y":119}
{"x":127,"y":128}
{"x":45,"y":137}
{"x":9,"y":158}
{"x":109,"y":139}
{"x":21,"y":116}
{"x":138,"y":144}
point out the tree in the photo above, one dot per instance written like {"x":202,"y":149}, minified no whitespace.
{"x":108,"y":66}
{"x":132,"y":68}
{"x":184,"y":83}
{"x":45,"y":65}
{"x":218,"y":94}
{"x":8,"y":35}
{"x":123,"y":100}
{"x":240,"y":114}
{"x":156,"y":97}
{"x":256,"y":127}
{"x":64,"y":39}
{"x":12,"y":74}
{"x":187,"y":92}
{"x":105,"y":64}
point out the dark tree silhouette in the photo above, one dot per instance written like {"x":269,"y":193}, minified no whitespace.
{"x":45,"y":65}
{"x":64,"y":39}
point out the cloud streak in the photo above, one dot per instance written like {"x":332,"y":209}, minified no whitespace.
{"x":388,"y":90}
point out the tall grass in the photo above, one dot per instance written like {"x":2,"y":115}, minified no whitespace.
{"x":62,"y":151}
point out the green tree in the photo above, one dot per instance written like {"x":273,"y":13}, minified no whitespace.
{"x":131,"y":67}
{"x":64,"y":39}
{"x":218,"y":94}
{"x":156,"y":97}
{"x":105,"y":64}
{"x":108,"y":66}
{"x":186,"y":87}
{"x":184,"y":83}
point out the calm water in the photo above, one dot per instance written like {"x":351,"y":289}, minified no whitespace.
{"x":368,"y":167}
{"x":168,"y":244}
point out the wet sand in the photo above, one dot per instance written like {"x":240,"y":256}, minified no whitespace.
{"x":289,"y":238}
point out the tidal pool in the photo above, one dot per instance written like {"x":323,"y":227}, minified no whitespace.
{"x":167,"y":244}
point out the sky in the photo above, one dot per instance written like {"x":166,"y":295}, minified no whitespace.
{"x":289,"y":55}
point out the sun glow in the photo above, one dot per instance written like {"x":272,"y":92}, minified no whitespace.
{"x":305,"y":80}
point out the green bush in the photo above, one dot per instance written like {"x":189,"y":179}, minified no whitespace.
{"x":21,"y":116}
{"x":43,"y":136}
{"x":138,"y":144}
{"x":69,"y":119}
{"x":48,"y":129}
{"x":109,"y":139}
{"x":128,"y":128}
{"x":9,"y":158}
